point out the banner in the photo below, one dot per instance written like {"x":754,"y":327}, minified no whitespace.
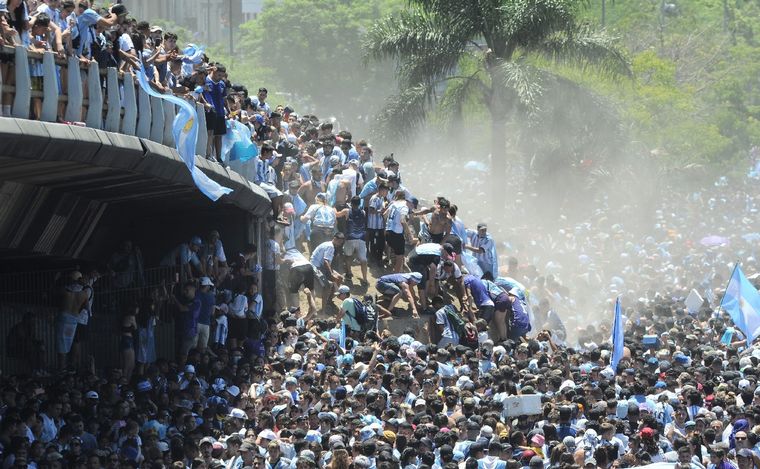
{"x":185,"y":131}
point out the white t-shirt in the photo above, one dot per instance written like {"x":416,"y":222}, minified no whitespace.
{"x":125,"y":43}
{"x":323,"y":252}
{"x":397,"y":212}
{"x":238,"y":306}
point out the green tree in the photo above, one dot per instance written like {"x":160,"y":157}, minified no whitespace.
{"x":487,"y":50}
{"x":311,"y":50}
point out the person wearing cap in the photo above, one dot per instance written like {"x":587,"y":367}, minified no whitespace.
{"x":395,"y":286}
{"x":347,"y":311}
{"x":185,"y":258}
{"x":483,"y":247}
{"x":322,"y":258}
{"x":207,"y":298}
{"x":325,"y":156}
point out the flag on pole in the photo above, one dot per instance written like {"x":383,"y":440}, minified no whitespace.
{"x":185,"y":130}
{"x":618,"y":337}
{"x":742,"y":302}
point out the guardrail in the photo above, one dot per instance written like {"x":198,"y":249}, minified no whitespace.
{"x":102,"y":99}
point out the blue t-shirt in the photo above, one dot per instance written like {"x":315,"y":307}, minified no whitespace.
{"x":86,"y":23}
{"x":520,"y":320}
{"x":396,"y":279}
{"x":356,"y":226}
{"x":478,"y":290}
{"x":208,"y":301}
{"x":214,"y":94}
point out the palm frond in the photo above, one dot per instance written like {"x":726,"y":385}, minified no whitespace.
{"x":426,"y":47}
{"x":526,"y":23}
{"x":458,"y":91}
{"x":403,"y":113}
{"x":525,"y":81}
{"x":587,"y":49}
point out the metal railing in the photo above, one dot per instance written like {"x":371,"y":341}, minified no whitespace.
{"x":23,"y":293}
{"x":101,"y":99}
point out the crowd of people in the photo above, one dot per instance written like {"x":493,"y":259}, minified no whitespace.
{"x":286,"y":355}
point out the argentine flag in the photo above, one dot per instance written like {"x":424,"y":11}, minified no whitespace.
{"x":618,"y":336}
{"x":742,"y":302}
{"x":185,"y":131}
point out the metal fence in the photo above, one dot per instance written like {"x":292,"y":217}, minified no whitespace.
{"x":24,"y":293}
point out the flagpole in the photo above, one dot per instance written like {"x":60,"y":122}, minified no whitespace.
{"x":720,"y":305}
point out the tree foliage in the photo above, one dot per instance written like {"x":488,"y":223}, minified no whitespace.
{"x":310,"y":51}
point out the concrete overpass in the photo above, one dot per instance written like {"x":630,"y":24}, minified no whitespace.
{"x":69,"y":191}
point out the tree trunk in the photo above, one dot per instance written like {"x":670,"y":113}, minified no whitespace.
{"x":498,"y":107}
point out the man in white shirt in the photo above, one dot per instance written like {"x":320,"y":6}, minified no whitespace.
{"x":395,"y":228}
{"x":321,"y":260}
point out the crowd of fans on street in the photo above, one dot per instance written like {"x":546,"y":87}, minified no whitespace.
{"x":285,"y":355}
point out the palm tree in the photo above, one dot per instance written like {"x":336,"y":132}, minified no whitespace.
{"x":486,"y":50}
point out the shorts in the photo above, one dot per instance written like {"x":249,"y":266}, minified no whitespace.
{"x":420,"y":263}
{"x":203,"y":335}
{"x":238,"y":328}
{"x":502,"y":303}
{"x":188,"y":343}
{"x":65,"y":330}
{"x":388,"y":288}
{"x":82,"y":333}
{"x":271,"y":190}
{"x":301,"y":275}
{"x":486,"y":312}
{"x":355,"y":246}
{"x":436,"y":238}
{"x":395,"y":241}
{"x":215,"y":123}
{"x":37,"y":83}
{"x":455,"y":241}
{"x":126,"y":342}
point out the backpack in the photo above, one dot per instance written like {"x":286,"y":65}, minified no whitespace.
{"x":456,"y":320}
{"x":366,"y":315}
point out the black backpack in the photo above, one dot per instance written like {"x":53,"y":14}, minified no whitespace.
{"x":366,"y":315}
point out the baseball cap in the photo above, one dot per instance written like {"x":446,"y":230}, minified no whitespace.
{"x":197,"y":241}
{"x":236,"y":413}
{"x":416,"y":276}
{"x":206,"y":282}
{"x":267,"y":434}
{"x":3,"y":6}
{"x":343,"y":290}
{"x":189,"y":369}
{"x":91,"y":395}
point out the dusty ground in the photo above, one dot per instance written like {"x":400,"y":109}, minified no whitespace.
{"x":402,"y":316}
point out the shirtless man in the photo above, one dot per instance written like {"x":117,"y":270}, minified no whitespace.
{"x":439,"y":221}
{"x":309,"y":190}
{"x":73,"y":297}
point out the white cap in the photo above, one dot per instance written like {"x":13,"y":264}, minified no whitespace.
{"x":206,"y":282}
{"x":189,"y":369}
{"x":744,"y":384}
{"x":267,"y":434}
{"x":420,"y":402}
{"x":237,"y":413}
{"x":91,"y":395}
{"x":234,"y":391}
{"x":343,"y":290}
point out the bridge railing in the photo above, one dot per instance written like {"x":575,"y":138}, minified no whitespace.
{"x":81,"y":93}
